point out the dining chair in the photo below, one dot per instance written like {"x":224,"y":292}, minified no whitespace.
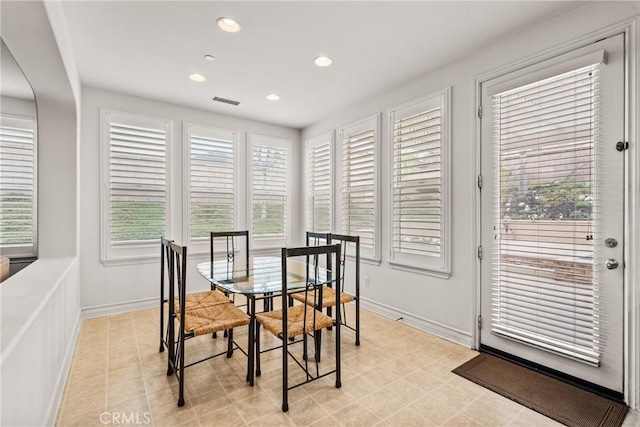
{"x":302,"y":319}
{"x":194,"y":320}
{"x":229,"y":238}
{"x":192,"y":300}
{"x":329,"y":299}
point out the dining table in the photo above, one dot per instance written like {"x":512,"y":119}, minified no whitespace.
{"x":262,"y":280}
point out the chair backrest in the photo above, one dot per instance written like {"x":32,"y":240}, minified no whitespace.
{"x":343,"y":240}
{"x":313,"y":280}
{"x":229,"y":237}
{"x":175,"y":259}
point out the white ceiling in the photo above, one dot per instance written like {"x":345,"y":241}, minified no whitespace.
{"x":149,"y":48}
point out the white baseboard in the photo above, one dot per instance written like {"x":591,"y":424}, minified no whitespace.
{"x":63,"y":375}
{"x":119,"y":308}
{"x":435,"y":328}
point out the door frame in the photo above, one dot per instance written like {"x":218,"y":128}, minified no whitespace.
{"x":631,"y":304}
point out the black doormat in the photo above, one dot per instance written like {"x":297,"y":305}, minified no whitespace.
{"x":553,"y":398}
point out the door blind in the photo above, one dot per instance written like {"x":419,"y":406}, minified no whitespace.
{"x":211,"y":185}
{"x":318,"y":187}
{"x":138,"y":182}
{"x":358,"y":186}
{"x":544,"y":285}
{"x":417,"y":184}
{"x":270,"y":177}
{"x":17,"y":188}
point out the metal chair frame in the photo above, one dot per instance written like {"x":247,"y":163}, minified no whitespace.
{"x":314,"y":285}
{"x":176,"y":263}
{"x":344,"y":240}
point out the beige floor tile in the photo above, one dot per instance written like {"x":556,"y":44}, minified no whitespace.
{"x":328,"y":421}
{"x":408,"y":418}
{"x":125,"y":390}
{"x":163,"y":397}
{"x":494,"y":399}
{"x":255,"y":406}
{"x":85,"y":419}
{"x":137,"y":405}
{"x":306,"y":412}
{"x":404,"y":390}
{"x":632,"y":419}
{"x":461,"y":421}
{"x":358,"y":386}
{"x":424,"y":381}
{"x":530,"y":418}
{"x":433,"y":410}
{"x":172,"y":415}
{"x":356,"y":415}
{"x":452,"y":396}
{"x":382,"y":404}
{"x":488,"y":415}
{"x":224,"y":417}
{"x":273,"y":419}
{"x":399,"y":377}
{"x":128,"y":374}
{"x":77,"y":404}
{"x":209,"y":402}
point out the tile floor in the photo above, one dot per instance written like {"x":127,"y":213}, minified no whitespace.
{"x":399,"y":376}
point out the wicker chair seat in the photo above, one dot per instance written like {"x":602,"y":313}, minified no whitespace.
{"x":214,"y":318}
{"x":297,"y":325}
{"x":328,"y":298}
{"x":201,"y":299}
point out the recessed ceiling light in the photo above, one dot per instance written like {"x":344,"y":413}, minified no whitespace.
{"x":210,"y":57}
{"x":197,"y":77}
{"x":229,"y":25}
{"x":322,"y":61}
{"x":273,"y":97}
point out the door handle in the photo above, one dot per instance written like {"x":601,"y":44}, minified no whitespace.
{"x":611,"y":264}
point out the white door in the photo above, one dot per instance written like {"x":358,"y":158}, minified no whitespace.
{"x":552,"y":213}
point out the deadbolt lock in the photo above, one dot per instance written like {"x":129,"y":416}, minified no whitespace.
{"x":611,"y":243}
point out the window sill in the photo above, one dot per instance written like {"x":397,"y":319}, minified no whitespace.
{"x":371,"y":261}
{"x":421,"y":270}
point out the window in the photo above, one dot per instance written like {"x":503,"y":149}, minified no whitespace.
{"x":135,"y":191}
{"x":419,"y":156}
{"x":319,"y":183}
{"x":18,"y":220}
{"x":210,"y":178}
{"x":359,"y":184}
{"x":269,"y":184}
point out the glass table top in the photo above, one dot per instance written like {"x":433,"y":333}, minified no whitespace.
{"x":265,"y":275}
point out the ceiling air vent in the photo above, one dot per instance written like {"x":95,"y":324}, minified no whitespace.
{"x":226,"y":101}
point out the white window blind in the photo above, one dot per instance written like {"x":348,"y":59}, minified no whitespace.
{"x":269,"y":160}
{"x":17,"y":186}
{"x":136,"y":181}
{"x":319,"y":183}
{"x":211,"y":180}
{"x":544,"y":287}
{"x":358,"y":191}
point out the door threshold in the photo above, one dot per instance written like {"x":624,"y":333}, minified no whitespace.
{"x":577,"y":382}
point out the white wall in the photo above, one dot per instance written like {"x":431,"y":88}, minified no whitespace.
{"x":17,"y":106}
{"x":105,"y":289}
{"x":40,"y":305}
{"x":443,"y":306}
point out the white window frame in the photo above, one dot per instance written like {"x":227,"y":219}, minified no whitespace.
{"x":136,"y":251}
{"x":201,"y":245}
{"x":368,"y":255}
{"x":258,"y":139}
{"x":30,"y":251}
{"x":434,"y":266}
{"x":324,"y":138}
